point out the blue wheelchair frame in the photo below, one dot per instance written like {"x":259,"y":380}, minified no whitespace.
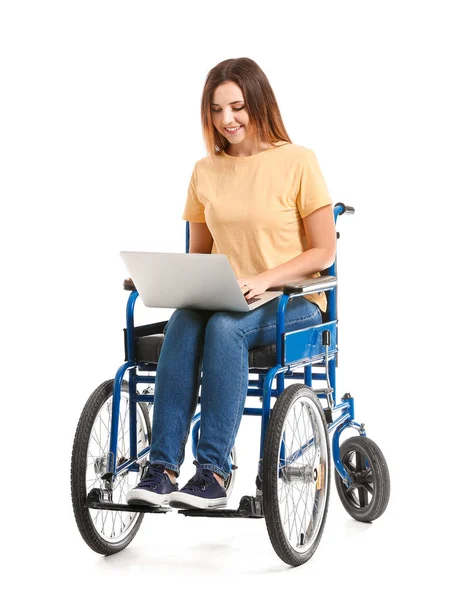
{"x":313,"y":346}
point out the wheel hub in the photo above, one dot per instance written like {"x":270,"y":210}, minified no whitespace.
{"x":100,"y":465}
{"x":304,"y":473}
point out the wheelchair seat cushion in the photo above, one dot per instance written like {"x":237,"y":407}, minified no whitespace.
{"x":148,"y":351}
{"x":149,"y":340}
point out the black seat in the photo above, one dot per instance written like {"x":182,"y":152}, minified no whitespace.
{"x":148,"y":351}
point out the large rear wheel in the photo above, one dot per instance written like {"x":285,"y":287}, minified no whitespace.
{"x":296,"y":474}
{"x":106,"y":531}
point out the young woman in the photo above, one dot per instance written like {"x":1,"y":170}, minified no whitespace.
{"x":262,"y":201}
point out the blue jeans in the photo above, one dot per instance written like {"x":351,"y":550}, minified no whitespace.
{"x":216,"y":342}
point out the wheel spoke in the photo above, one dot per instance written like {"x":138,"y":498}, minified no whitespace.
{"x":360,"y":465}
{"x":348,"y":465}
{"x":96,"y":439}
{"x":367,"y":487}
{"x":363,"y":497}
{"x":359,"y":462}
{"x":366,"y":476}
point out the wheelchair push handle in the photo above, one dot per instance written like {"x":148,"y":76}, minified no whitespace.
{"x":345,"y":208}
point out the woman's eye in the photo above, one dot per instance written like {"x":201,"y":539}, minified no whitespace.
{"x":219,"y":109}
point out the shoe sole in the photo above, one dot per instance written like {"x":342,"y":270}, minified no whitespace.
{"x":145,"y":498}
{"x":182,"y":500}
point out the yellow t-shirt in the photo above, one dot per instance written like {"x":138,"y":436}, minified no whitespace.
{"x":254,"y":205}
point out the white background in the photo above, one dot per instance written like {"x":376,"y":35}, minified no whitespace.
{"x":100,"y":129}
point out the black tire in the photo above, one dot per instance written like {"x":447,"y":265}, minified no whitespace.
{"x":85,"y":517}
{"x":288,"y":552}
{"x":364,"y":461}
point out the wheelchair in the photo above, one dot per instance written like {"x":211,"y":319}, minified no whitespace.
{"x":113,"y":436}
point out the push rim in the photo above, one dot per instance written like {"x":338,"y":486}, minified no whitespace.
{"x":111,"y":525}
{"x":302,"y":474}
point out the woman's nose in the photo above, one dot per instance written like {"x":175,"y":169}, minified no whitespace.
{"x":227,"y":119}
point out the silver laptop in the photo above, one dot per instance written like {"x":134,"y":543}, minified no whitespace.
{"x":183,"y":280}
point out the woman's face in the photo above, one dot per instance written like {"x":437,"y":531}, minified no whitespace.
{"x":229,"y":111}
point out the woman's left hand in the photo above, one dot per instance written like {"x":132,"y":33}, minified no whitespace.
{"x":253,"y":285}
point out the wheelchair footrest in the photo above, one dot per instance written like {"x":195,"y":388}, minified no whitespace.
{"x":95,"y":501}
{"x":128,"y":507}
{"x":250,"y":507}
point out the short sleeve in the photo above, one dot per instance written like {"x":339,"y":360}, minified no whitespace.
{"x":313,"y":192}
{"x":194,"y":210}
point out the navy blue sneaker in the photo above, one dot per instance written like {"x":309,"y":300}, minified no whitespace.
{"x":202,"y":491}
{"x":154,"y":488}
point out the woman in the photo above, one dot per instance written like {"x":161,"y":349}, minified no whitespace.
{"x":262,"y":201}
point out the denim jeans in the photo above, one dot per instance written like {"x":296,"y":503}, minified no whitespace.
{"x":216,"y":342}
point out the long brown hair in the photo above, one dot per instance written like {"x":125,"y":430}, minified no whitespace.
{"x":263,"y":111}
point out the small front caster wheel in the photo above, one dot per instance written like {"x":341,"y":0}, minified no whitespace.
{"x":366,"y":498}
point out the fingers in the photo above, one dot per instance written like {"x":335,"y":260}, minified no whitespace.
{"x":245,"y":288}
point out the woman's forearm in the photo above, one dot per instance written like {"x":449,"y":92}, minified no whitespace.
{"x":302,"y":266}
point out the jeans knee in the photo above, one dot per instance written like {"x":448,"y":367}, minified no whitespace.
{"x":223,"y":324}
{"x":183,"y":319}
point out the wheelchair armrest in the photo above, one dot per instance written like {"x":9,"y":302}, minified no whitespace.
{"x":306,"y":286}
{"x":129,"y":285}
{"x":311,"y":285}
